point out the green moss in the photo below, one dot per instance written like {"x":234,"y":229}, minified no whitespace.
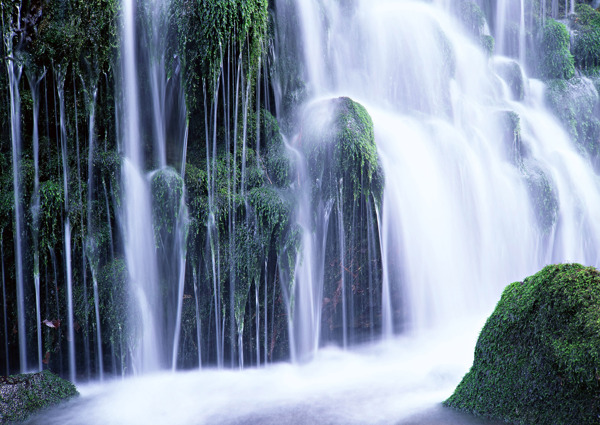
{"x":23,"y":395}
{"x":555,"y":58}
{"x":206,"y":30}
{"x":342,"y":149}
{"x":537,"y":359}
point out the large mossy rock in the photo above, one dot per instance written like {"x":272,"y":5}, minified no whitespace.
{"x":537,"y":360}
{"x":23,"y":395}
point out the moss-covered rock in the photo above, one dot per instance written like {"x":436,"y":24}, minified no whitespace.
{"x":23,"y":395}
{"x":347,"y":186}
{"x":537,"y":360}
{"x":339,"y":143}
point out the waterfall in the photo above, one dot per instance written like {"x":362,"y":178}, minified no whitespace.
{"x":5,"y":321}
{"x":91,"y":249}
{"x":137,"y":222}
{"x":60,"y":73}
{"x":154,"y":194}
{"x":34,"y":84}
{"x":15,"y":69}
{"x":459,"y":215}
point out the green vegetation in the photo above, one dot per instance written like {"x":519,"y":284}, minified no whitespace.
{"x":586,"y":46}
{"x":555,"y":58}
{"x":23,"y":395}
{"x":538,"y":356}
{"x":342,"y":149}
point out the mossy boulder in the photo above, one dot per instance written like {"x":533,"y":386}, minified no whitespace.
{"x":537,"y":360}
{"x":23,"y":395}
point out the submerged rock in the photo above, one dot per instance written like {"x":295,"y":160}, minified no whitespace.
{"x":23,"y":395}
{"x":537,"y":360}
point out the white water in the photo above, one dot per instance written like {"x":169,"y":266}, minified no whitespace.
{"x":34,"y":84}
{"x":387,"y":383}
{"x":155,"y":319}
{"x":458,"y":223}
{"x":137,"y":222}
{"x":15,"y":70}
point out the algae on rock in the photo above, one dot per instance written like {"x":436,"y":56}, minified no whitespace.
{"x":537,"y":359}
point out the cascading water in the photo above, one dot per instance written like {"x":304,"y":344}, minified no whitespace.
{"x":157,"y":314}
{"x":139,"y":241}
{"x":482,"y":187}
{"x":459,"y":217}
{"x":15,"y":70}
{"x":34,"y":84}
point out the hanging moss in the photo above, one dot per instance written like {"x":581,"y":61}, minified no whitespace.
{"x":206,"y":29}
{"x":537,"y":359}
{"x":586,"y":44}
